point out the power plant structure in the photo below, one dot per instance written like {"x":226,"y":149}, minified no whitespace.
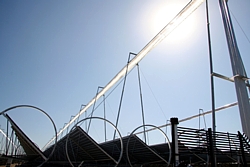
{"x":74,"y":145}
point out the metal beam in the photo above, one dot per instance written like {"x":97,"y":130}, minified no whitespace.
{"x":230,"y":79}
{"x":196,"y":116}
{"x":237,"y":68}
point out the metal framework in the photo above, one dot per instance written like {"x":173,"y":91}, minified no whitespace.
{"x":237,"y":68}
{"x":30,"y":149}
{"x":195,"y":146}
{"x":179,"y":18}
{"x":160,"y":158}
{"x":199,"y":147}
{"x":95,"y":144}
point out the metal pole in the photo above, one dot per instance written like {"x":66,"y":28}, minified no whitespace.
{"x":197,"y":115}
{"x":105,"y":126}
{"x":199,"y":119}
{"x":211,"y":147}
{"x":242,"y":150}
{"x":143,"y":117}
{"x":7,"y":137}
{"x":237,"y":68}
{"x":175,"y":147}
{"x":93,"y":109}
{"x":211,"y":69}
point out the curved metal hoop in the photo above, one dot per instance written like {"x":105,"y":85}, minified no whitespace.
{"x":29,"y":106}
{"x":169,"y":157}
{"x":120,"y":157}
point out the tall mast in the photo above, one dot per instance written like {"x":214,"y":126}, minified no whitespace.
{"x":237,"y":68}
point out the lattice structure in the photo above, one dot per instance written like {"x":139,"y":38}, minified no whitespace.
{"x":204,"y":146}
{"x":198,"y":147}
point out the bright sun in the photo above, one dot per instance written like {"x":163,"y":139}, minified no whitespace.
{"x":164,"y":14}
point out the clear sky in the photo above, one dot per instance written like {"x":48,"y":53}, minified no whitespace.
{"x":55,"y":54}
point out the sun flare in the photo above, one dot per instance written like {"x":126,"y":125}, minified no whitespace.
{"x":164,"y":15}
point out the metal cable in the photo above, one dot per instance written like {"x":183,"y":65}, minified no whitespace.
{"x":153,"y":95}
{"x":240,"y":26}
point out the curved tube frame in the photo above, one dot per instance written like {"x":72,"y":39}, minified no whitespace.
{"x":120,"y":157}
{"x":29,"y":106}
{"x":170,"y":153}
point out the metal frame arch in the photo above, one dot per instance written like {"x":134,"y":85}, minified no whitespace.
{"x":166,"y":137}
{"x":36,"y":108}
{"x":121,"y":152}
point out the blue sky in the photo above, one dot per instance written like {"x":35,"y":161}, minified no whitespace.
{"x":54,"y":55}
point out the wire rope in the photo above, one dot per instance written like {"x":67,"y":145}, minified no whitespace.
{"x":108,"y":96}
{"x":240,"y":26}
{"x":153,"y":95}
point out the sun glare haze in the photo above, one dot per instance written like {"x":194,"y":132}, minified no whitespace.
{"x":164,"y":14}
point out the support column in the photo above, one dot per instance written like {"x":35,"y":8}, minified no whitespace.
{"x":175,"y":147}
{"x":210,"y":146}
{"x":237,"y":68}
{"x":242,"y":150}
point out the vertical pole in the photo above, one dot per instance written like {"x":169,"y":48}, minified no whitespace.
{"x":211,"y":78}
{"x":199,"y":119}
{"x":86,"y":123}
{"x":211,"y":69}
{"x":211,"y":147}
{"x":242,"y":150}
{"x":105,"y":131}
{"x":237,"y":68}
{"x":229,"y":143}
{"x":143,"y":117}
{"x":175,"y":148}
{"x":166,"y":129}
{"x":93,"y":109}
{"x":7,"y":137}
